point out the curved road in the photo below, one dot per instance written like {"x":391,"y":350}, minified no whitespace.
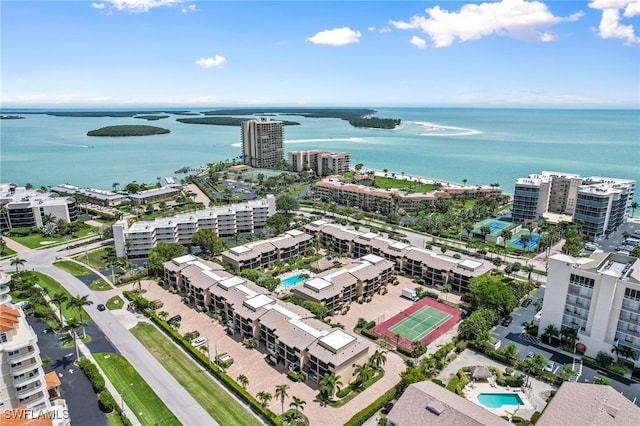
{"x":185,"y":408}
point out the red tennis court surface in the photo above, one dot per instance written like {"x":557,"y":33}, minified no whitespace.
{"x":385,"y":327}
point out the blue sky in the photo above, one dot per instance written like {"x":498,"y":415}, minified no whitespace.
{"x":508,"y":53}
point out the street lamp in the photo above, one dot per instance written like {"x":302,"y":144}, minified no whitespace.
{"x":122,"y":395}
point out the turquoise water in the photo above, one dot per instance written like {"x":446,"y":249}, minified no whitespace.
{"x":483,"y":146}
{"x":497,"y":400}
{"x":293,"y":280}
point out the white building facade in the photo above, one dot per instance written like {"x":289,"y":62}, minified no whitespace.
{"x":598,"y":296}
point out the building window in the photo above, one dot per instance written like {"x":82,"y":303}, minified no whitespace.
{"x":3,"y":338}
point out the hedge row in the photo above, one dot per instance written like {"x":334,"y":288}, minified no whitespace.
{"x":364,"y":415}
{"x":93,"y":374}
{"x":229,"y":382}
{"x":106,"y":402}
{"x":370,"y":334}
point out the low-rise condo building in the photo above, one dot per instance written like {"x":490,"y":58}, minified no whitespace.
{"x":154,"y":195}
{"x":138,"y":239}
{"x":100,"y":197}
{"x":286,"y":332}
{"x":599,"y":204}
{"x":263,"y":253}
{"x":322,"y":163}
{"x":31,"y":208}
{"x":599,"y":297}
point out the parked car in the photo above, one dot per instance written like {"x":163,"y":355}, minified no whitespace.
{"x":195,"y":333}
{"x":101,"y":307}
{"x":530,"y":355}
{"x":526,"y":302}
{"x":199,"y":341}
{"x":549,"y":367}
{"x":175,"y":318}
{"x":505,"y":322}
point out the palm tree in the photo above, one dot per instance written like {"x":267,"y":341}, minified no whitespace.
{"x":298,"y":404}
{"x":59,"y":299}
{"x":3,"y":245}
{"x":17,"y":262}
{"x":464,"y":182}
{"x":243,"y":380}
{"x":524,"y":240}
{"x":329,"y":385}
{"x":72,"y":325}
{"x":379,"y":358}
{"x":634,"y":206}
{"x":506,"y":235}
{"x":163,"y":315}
{"x":362,"y":372}
{"x":281,"y":394}
{"x":264,"y":397}
{"x":550,"y":331}
{"x":79,"y":302}
{"x":115,"y":185}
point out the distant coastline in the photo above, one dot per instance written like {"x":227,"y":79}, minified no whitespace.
{"x":128,"y":130}
{"x":11,"y":117}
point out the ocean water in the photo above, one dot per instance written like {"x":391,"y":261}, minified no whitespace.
{"x":481,"y":146}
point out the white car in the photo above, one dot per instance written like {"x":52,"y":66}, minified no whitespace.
{"x":199,"y":341}
{"x":549,"y":367}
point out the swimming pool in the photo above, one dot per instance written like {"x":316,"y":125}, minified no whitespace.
{"x":517,"y":243}
{"x":294,"y":279}
{"x":497,"y":400}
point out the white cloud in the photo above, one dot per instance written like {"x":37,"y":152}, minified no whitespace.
{"x":336,"y":37}
{"x":418,"y":42}
{"x":371,"y":28}
{"x":610,"y":23}
{"x":384,"y":30}
{"x":140,"y":6}
{"x":190,"y":8}
{"x":215,"y":62}
{"x":519,"y":19}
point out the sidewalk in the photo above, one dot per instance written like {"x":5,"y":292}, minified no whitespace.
{"x":17,"y":247}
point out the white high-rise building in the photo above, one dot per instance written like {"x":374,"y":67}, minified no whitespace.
{"x":599,"y":297}
{"x":262,"y":142}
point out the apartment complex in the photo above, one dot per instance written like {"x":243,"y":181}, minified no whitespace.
{"x":286,"y":332}
{"x":385,"y":201}
{"x":262,"y":142}
{"x":433,"y":268}
{"x":23,"y":384}
{"x":335,"y":289}
{"x":600,"y":204}
{"x":322,"y":163}
{"x":598,"y":296}
{"x":262,"y":254}
{"x":138,"y":239}
{"x":29,"y":208}
{"x":96,"y":196}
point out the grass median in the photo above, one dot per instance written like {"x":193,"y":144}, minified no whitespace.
{"x":141,"y":399}
{"x":209,"y":394}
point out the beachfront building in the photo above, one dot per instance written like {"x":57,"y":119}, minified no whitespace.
{"x":262,"y":254}
{"x":426,"y":403}
{"x":262,"y":142}
{"x":23,"y":384}
{"x":155,"y":195}
{"x":599,"y":297}
{"x":100,"y":197}
{"x":31,"y":208}
{"x":137,"y":239}
{"x":322,"y":163}
{"x":288,"y":333}
{"x":433,"y":268}
{"x":335,"y":289}
{"x":600,"y":204}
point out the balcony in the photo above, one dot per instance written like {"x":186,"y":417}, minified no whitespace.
{"x":25,"y":393}
{"x":23,"y":368}
{"x":35,"y":400}
{"x":23,"y":356}
{"x":26,"y":379}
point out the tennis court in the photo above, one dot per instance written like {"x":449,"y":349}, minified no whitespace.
{"x":495,"y":226}
{"x":420,"y":323}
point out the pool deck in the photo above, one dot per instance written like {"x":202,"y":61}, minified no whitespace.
{"x":472,"y":390}
{"x":283,"y":289}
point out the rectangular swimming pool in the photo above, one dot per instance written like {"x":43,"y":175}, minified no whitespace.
{"x":294,"y":279}
{"x":497,"y":400}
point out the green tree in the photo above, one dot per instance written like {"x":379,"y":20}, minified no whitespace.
{"x":264,"y":397}
{"x":79,"y":302}
{"x":286,"y":204}
{"x":329,"y":385}
{"x":208,"y":241}
{"x":17,"y":262}
{"x":133,"y":187}
{"x":550,"y":331}
{"x":73,"y":324}
{"x":59,"y":299}
{"x":298,"y":404}
{"x":379,"y":358}
{"x":485,"y":230}
{"x":362,"y":373}
{"x":243,"y":380}
{"x":278,"y":223}
{"x":281,"y":394}
{"x":601,"y":381}
{"x":317,"y":309}
{"x":511,"y":351}
{"x":475,"y":327}
{"x":161,"y":253}
{"x":491,"y":292}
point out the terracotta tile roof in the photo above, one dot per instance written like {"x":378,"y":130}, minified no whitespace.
{"x":8,"y":318}
{"x":52,"y":380}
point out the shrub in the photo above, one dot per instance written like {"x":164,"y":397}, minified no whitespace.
{"x":404,"y":351}
{"x":106,"y":402}
{"x":344,"y":391}
{"x":93,"y":374}
{"x":366,"y":413}
{"x":511,"y":381}
{"x":439,"y":382}
{"x":432,"y":295}
{"x":535,"y":416}
{"x":453,"y":384}
{"x":461,"y":346}
{"x":451,"y":358}
{"x":296,"y":377}
{"x":370,"y":334}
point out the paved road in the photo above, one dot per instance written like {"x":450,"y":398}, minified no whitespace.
{"x":185,"y":408}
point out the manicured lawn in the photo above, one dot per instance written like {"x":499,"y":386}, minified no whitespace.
{"x":100,"y":285}
{"x":7,"y":252}
{"x":94,"y":258}
{"x":52,"y":287}
{"x":209,"y":394}
{"x":386,"y":182}
{"x":73,"y":268}
{"x":36,"y":240}
{"x":115,"y":302}
{"x":143,"y":401}
{"x":114,"y":419}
